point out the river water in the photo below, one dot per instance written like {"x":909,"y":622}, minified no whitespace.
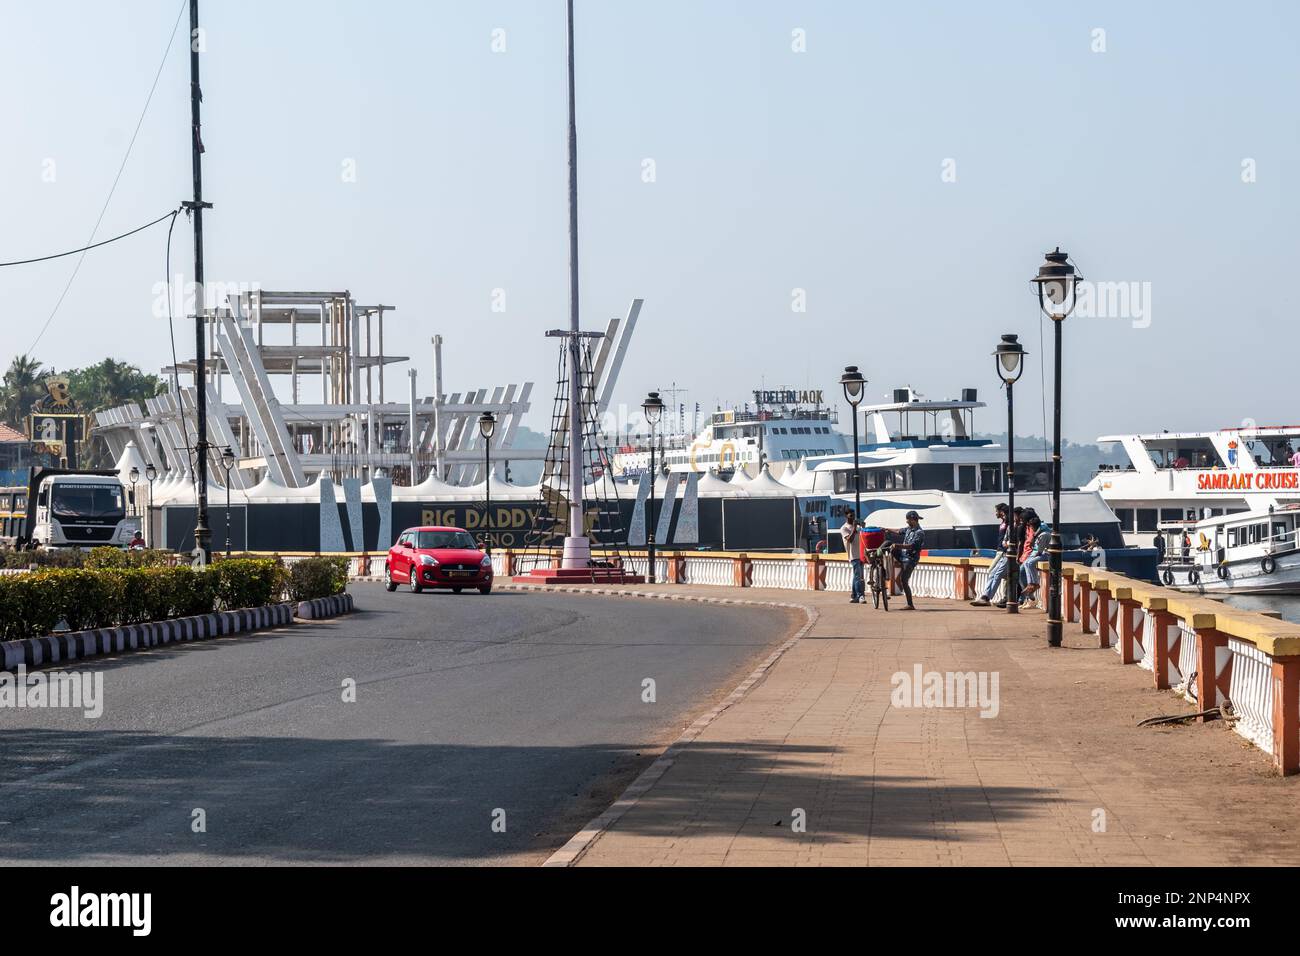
{"x":1289,"y":606}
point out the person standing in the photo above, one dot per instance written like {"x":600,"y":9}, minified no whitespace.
{"x":849,"y":531}
{"x":999,"y":569}
{"x":909,"y":555}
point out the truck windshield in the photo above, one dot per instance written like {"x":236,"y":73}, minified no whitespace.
{"x":88,"y":502}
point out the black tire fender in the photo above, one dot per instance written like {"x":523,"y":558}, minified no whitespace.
{"x":1268,"y":565}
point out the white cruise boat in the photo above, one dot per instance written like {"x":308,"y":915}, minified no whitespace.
{"x":1189,"y":476}
{"x":930,"y":463}
{"x":784,"y":425}
{"x":1254,"y":552}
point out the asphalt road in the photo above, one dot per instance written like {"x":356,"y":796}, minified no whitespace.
{"x":465,"y":706}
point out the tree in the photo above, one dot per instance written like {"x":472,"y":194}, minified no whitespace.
{"x":110,"y":383}
{"x":23,"y":384}
{"x":106,"y":385}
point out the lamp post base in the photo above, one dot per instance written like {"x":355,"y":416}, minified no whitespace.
{"x":577,"y":553}
{"x":1054,"y":633}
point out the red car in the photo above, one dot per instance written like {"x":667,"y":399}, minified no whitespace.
{"x":436,"y":557}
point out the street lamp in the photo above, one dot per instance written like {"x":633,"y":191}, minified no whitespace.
{"x":854,"y":388}
{"x":228,"y":462}
{"x":1057,"y":283}
{"x":150,"y":474}
{"x":653,"y":407}
{"x":1010,"y":355}
{"x":487,"y":424}
{"x":134,"y":476}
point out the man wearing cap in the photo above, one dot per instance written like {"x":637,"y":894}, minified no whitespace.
{"x":909,"y":554}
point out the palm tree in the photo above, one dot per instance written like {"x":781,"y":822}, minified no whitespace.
{"x":22,"y":385}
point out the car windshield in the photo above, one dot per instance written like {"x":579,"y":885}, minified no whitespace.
{"x":97,"y":502}
{"x":444,"y":539}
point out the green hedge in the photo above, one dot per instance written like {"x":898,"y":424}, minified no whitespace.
{"x":317,"y":578}
{"x":32,"y":605}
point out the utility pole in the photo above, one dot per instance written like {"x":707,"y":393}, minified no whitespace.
{"x":202,"y":534}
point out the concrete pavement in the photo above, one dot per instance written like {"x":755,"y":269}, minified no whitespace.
{"x":1061,"y":775}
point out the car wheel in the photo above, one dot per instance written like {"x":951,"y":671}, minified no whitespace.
{"x":416,"y":588}
{"x":389,"y":583}
{"x":485,"y":590}
{"x":456,"y":590}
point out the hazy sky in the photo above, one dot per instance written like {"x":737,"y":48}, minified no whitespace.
{"x":906,"y":169}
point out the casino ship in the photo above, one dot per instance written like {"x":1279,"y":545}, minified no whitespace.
{"x":782,"y":425}
{"x":1179,"y":477}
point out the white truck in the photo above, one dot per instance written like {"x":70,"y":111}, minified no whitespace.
{"x":77,"y":509}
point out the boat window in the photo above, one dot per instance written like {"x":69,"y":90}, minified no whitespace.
{"x":1232,"y":537}
{"x":1125,"y":516}
{"x":990,"y":477}
{"x":966,"y":476}
{"x":1147,"y":519}
{"x":1171,"y":514}
{"x":937,"y":477}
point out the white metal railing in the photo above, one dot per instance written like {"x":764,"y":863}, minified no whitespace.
{"x":1250,"y":688}
{"x":718,"y":571}
{"x":1147,"y":661}
{"x":839,"y":576}
{"x":1186,"y":663}
{"x":773,"y":573}
{"x":933,"y":581}
{"x":639,"y":564}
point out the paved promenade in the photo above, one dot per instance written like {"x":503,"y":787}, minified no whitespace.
{"x":1060,"y":775}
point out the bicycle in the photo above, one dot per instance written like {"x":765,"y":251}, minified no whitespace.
{"x":880,"y":563}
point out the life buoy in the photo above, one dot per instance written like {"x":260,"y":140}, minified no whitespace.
{"x":1268,"y":565}
{"x":1193,"y":576}
{"x":1168,"y":578}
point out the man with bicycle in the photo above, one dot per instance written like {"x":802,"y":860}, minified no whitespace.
{"x":909,"y":554}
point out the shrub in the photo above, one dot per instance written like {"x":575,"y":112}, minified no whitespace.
{"x":119,"y":558}
{"x":27,"y":605}
{"x":106,"y":558}
{"x":45,"y":558}
{"x":248,"y":582}
{"x":317,"y":578}
{"x":32,"y":605}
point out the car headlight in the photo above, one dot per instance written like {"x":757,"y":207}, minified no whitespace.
{"x":429,"y":560}
{"x":487,"y":561}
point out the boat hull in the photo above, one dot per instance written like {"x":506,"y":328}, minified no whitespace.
{"x":1245,"y":576}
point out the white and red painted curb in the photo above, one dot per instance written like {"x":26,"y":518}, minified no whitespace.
{"x":318,"y":608}
{"x":75,"y":645}
{"x":579,"y":843}
{"x":38,"y":651}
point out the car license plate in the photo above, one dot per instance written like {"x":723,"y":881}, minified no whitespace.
{"x":461,"y":574}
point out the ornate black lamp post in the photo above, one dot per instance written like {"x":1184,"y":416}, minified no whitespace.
{"x":1057,"y":284}
{"x":1010,"y":355}
{"x":854,"y":388}
{"x":487,"y":424}
{"x":653,"y":407}
{"x":151,"y":475}
{"x":228,"y":462}
{"x":135,"y":477}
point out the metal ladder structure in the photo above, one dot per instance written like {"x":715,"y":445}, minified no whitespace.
{"x":550,"y":517}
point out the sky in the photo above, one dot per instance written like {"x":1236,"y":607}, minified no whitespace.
{"x":791,"y":187}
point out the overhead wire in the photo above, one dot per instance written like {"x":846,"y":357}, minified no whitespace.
{"x":116,"y":179}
